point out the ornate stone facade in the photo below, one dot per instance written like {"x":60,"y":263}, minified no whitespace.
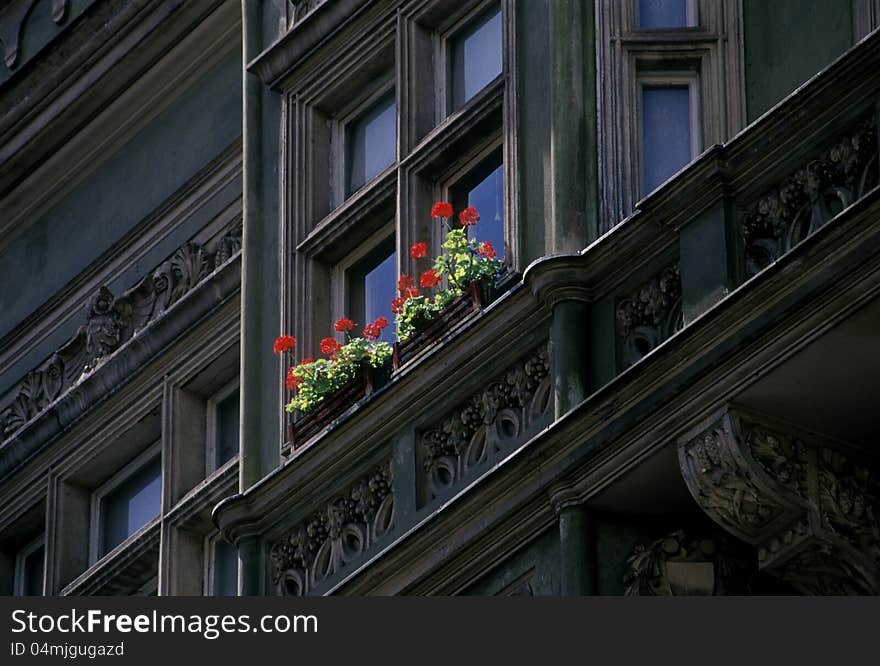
{"x":338,"y":533}
{"x":649,"y":315}
{"x":505,"y":412}
{"x":810,"y":197}
{"x":681,"y":564}
{"x":810,"y":507}
{"x":111,"y":322}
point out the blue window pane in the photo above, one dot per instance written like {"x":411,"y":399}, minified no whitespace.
{"x":227,"y":429}
{"x":475,"y":57}
{"x":133,"y":504}
{"x":665,"y":14}
{"x":225,"y":583}
{"x":33,"y":573}
{"x":488,"y":198}
{"x":380,"y":285}
{"x":666,"y":133}
{"x":371,"y":142}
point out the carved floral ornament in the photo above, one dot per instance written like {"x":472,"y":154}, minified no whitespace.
{"x":811,"y":508}
{"x":684,"y":564}
{"x":506,"y":412}
{"x":111,"y":322}
{"x":649,"y":315}
{"x":341,"y":531}
{"x":807,"y":199}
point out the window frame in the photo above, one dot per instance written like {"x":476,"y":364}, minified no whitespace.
{"x":443,"y":40}
{"x":19,"y":583}
{"x":399,"y":48}
{"x":339,"y":139}
{"x":96,"y":531}
{"x":210,"y":544}
{"x":670,"y":79}
{"x":625,"y":54}
{"x":341,"y":288}
{"x":692,"y":17}
{"x":211,"y":430}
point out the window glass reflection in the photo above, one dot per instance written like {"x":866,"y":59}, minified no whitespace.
{"x":475,"y":57}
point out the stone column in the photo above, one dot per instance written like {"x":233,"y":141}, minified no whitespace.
{"x":577,"y":546}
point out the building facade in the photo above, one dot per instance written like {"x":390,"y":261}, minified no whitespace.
{"x":672,"y":391}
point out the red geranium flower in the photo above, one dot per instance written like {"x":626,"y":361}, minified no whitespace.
{"x":284,"y":343}
{"x":419,"y":250}
{"x":469,"y":216}
{"x":430,"y":278}
{"x":487,"y":250}
{"x":371,"y":332}
{"x":441,"y":209}
{"x":404,"y":283}
{"x":411,"y":292}
{"x":380,"y":323}
{"x":344,"y":324}
{"x":397,"y":305}
{"x":306,"y":361}
{"x":330,"y":345}
{"x":293,"y":380}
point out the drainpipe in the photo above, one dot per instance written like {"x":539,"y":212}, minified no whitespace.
{"x":259,"y":454}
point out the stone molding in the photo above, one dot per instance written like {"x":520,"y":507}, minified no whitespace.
{"x":684,"y":564}
{"x":808,"y":198}
{"x":508,"y":410}
{"x":111,"y":322}
{"x":337,"y":534}
{"x":809,"y":505}
{"x":649,"y":315}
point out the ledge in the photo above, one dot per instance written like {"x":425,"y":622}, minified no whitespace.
{"x":117,"y":368}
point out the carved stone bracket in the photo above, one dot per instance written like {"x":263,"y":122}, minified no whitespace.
{"x":504,"y":413}
{"x":682,"y":564}
{"x":111,"y":322}
{"x":807,"y":199}
{"x":341,"y":531}
{"x":810,"y":507}
{"x":649,"y":315}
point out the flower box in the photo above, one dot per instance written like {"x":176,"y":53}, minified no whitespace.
{"x":304,"y":427}
{"x":429,"y":331}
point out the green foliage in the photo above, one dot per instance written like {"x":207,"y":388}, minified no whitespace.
{"x":462,"y":262}
{"x":323,"y":377}
{"x":419,"y":310}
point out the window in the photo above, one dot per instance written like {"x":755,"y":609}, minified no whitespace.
{"x":29,"y":567}
{"x":222,"y":571}
{"x":669,"y":125}
{"x":376,"y":114}
{"x":483,"y":188}
{"x":370,"y":142}
{"x":669,"y":75}
{"x":475,"y":57}
{"x":126,"y":503}
{"x":223,"y":427}
{"x":666,"y":14}
{"x":372,"y":286}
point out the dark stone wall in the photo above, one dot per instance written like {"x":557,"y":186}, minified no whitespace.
{"x":121,"y":192}
{"x":787,"y":42}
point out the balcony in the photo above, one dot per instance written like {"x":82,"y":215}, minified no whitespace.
{"x":743,"y":292}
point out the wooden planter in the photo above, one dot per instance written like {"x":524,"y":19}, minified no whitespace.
{"x":427,"y":332}
{"x":304,"y":427}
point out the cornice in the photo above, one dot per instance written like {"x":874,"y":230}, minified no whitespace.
{"x":304,"y":36}
{"x":115,"y":369}
{"x":89,"y":67}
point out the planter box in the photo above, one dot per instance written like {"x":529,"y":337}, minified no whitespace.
{"x":304,"y":427}
{"x":475,"y":298}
